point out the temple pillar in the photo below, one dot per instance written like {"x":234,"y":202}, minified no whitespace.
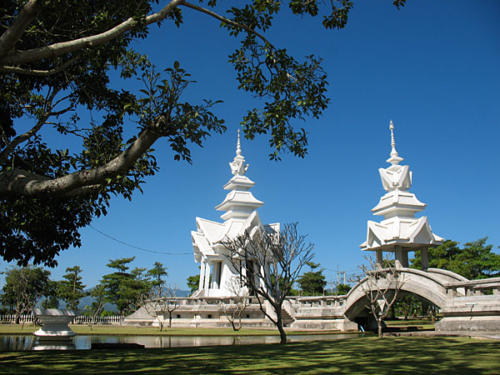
{"x":202,"y":276}
{"x":424,"y":253}
{"x":404,"y":259}
{"x":216,"y":274}
{"x":398,"y":254}
{"x":378,"y":259}
{"x":207,"y":277}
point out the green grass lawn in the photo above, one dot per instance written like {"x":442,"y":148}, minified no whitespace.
{"x":368,"y":355}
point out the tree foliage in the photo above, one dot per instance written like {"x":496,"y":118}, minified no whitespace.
{"x":24,"y":287}
{"x":193,"y":282}
{"x":52,"y":299}
{"x":342,"y":289}
{"x":71,"y":289}
{"x":157,"y":275}
{"x":56,"y":62}
{"x":475,"y":260}
{"x":124,"y":288}
{"x":98,"y":294}
{"x":312,"y":282}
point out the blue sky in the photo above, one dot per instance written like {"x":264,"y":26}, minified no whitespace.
{"x":432,"y":67}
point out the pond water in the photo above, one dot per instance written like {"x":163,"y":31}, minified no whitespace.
{"x":82,"y":342}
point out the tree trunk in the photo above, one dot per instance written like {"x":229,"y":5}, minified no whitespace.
{"x":280,"y":328}
{"x":236,"y":329}
{"x":379,"y":324}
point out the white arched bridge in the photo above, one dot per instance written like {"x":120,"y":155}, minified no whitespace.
{"x":464,"y":304}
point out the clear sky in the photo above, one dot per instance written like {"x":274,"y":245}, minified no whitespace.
{"x":432,"y":67}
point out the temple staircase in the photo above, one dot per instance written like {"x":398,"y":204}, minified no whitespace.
{"x":287,"y":318}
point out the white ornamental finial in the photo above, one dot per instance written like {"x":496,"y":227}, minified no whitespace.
{"x":238,"y":166}
{"x":238,"y":145}
{"x":393,"y":142}
{"x":394,"y":159}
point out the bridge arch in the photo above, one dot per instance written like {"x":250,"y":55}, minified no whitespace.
{"x":428,"y":285}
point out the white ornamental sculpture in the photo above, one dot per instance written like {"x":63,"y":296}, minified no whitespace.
{"x":240,"y":205}
{"x":400,"y":232}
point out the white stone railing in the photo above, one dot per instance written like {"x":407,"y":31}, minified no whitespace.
{"x":10,"y":318}
{"x":319,"y":301}
{"x":111,"y":320}
{"x":80,"y":319}
{"x":476,"y":287}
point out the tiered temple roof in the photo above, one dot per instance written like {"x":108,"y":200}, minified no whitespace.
{"x":400,"y":230}
{"x":240,"y":215}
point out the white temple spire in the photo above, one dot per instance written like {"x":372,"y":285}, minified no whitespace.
{"x":394,"y":159}
{"x":238,"y":166}
{"x":239,"y":202}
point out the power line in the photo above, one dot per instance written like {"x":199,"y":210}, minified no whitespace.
{"x":135,"y":247}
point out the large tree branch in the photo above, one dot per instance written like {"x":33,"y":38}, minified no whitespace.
{"x":11,"y":36}
{"x":19,"y":182}
{"x":58,"y":49}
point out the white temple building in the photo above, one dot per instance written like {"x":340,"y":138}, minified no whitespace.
{"x":400,"y":232}
{"x":240,"y":215}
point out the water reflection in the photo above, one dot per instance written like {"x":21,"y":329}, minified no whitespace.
{"x":22,"y":343}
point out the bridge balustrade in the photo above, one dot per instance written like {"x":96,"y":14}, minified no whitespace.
{"x":475,"y":287}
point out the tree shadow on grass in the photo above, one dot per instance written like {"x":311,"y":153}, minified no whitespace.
{"x":408,"y":355}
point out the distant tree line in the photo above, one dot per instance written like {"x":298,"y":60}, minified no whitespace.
{"x":25,"y":287}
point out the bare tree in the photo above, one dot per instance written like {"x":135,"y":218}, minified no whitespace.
{"x":239,"y":303}
{"x":381,"y":287}
{"x":160,"y":300}
{"x":269,"y":263}
{"x":170,"y":302}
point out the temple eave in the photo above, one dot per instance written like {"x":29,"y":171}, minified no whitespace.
{"x":241,"y":182}
{"x":404,"y":245}
{"x":231,"y":206}
{"x":384,"y":210}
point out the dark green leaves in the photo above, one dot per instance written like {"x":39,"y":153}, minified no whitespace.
{"x":161,"y":110}
{"x":474,"y":260}
{"x":291,"y":90}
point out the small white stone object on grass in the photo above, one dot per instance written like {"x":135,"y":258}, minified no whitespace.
{"x":55,"y":323}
